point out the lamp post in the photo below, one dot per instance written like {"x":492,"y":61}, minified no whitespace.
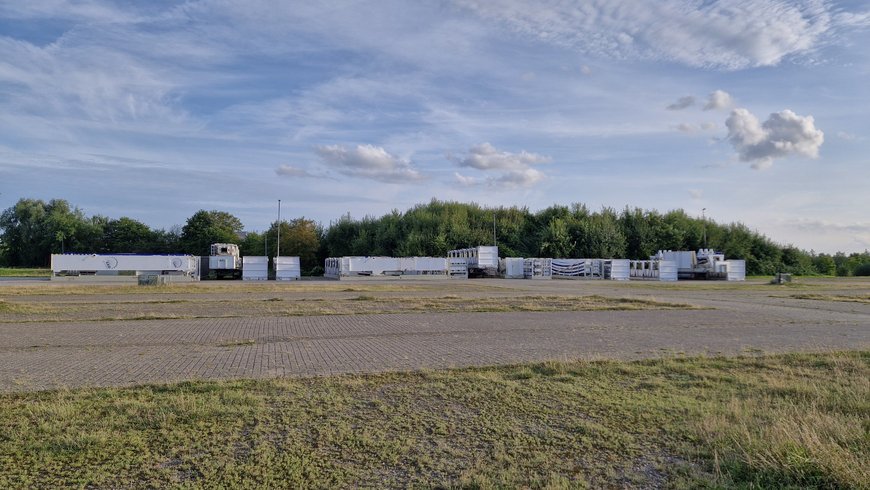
{"x":704,"y":219}
{"x":278,"y":252}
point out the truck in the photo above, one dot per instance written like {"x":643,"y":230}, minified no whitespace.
{"x":703,"y":264}
{"x":224,"y":261}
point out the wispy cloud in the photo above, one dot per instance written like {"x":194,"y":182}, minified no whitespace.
{"x":718,"y":34}
{"x":682,"y":103}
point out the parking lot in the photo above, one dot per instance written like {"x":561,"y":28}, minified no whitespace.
{"x":74,"y":335}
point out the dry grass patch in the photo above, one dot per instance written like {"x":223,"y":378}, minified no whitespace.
{"x":856,"y":298}
{"x":791,"y":421}
{"x":363,"y":304}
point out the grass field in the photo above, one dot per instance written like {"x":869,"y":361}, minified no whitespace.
{"x":23,"y":272}
{"x":800,"y":420}
{"x":17,"y":312}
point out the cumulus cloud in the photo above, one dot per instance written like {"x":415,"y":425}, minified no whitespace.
{"x":729,"y":35}
{"x":585,"y":70}
{"x":515,"y":169}
{"x":783,"y":134}
{"x":519,"y":178}
{"x":368,"y":161}
{"x":719,"y":99}
{"x":487,"y":157}
{"x":682,"y":103}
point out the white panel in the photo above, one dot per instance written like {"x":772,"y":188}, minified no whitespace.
{"x":736,"y":270}
{"x":537,"y":268}
{"x":667,"y":270}
{"x":106,"y":263}
{"x":514,"y":268}
{"x":620,"y":269}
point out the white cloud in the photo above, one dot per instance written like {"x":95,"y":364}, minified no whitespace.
{"x":518,"y":178}
{"x":585,"y":70}
{"x":719,"y":99}
{"x":783,"y":134}
{"x":487,"y":157}
{"x":696,"y":194}
{"x":465,"y":180}
{"x":721,"y":34}
{"x":291,"y":171}
{"x":368,"y":161}
{"x":682,"y":103}
{"x":515,"y":169}
{"x":693,"y":128}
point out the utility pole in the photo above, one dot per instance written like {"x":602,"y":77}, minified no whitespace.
{"x":278,"y":253}
{"x":704,"y":219}
{"x":494,"y":236}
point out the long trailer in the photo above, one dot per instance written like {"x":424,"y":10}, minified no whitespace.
{"x":123,"y":266}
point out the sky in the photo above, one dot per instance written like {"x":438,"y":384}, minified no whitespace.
{"x":751,"y":111}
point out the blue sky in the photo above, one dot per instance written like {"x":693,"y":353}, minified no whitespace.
{"x":756,"y":110}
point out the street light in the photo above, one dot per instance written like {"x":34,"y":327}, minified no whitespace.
{"x":278,"y":252}
{"x":704,"y":219}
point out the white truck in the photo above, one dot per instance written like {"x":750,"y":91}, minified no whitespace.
{"x":224,"y":261}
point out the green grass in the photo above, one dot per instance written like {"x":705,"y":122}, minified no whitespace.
{"x":780,"y":421}
{"x":22,"y":272}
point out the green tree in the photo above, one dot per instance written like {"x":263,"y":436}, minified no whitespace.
{"x":299,"y":237}
{"x":207,"y":227}
{"x":32,"y":230}
{"x":126,"y":235}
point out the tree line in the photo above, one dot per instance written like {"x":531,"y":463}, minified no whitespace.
{"x":33,"y":229}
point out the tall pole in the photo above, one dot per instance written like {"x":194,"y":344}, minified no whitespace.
{"x":278,"y":253}
{"x":494,"y":237}
{"x":704,"y":219}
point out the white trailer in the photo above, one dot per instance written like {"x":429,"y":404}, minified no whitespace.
{"x":482,"y":261}
{"x":342,"y":267}
{"x":121,"y":266}
{"x":662,"y":270}
{"x":704,"y":264}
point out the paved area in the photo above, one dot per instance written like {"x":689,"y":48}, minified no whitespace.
{"x":36,"y":356}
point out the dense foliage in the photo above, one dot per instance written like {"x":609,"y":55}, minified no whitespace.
{"x":32,"y":230}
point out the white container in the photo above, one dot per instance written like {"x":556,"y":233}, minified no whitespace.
{"x":457,"y":267}
{"x":736,"y":270}
{"x":287,"y":269}
{"x":667,"y":270}
{"x":478,"y":257}
{"x":620,"y":269}
{"x":512,"y":267}
{"x":537,"y":268}
{"x":578,"y":268}
{"x":255,"y":268}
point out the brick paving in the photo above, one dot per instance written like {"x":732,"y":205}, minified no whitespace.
{"x":36,"y":356}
